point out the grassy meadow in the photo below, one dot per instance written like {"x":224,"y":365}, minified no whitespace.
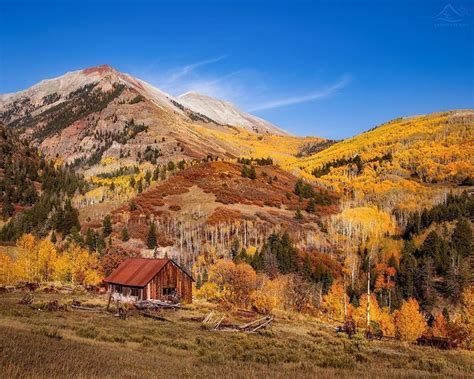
{"x":75,"y":344}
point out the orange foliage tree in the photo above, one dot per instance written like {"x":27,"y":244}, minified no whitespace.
{"x":409,"y":322}
{"x":235,"y":282}
{"x":440,"y":326}
{"x":384,"y":282}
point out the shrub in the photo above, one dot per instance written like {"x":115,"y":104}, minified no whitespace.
{"x":87,"y":332}
{"x":263,"y":302}
{"x":235,"y":282}
{"x":50,"y":333}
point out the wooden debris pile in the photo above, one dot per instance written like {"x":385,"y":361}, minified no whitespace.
{"x":156,"y":304}
{"x":27,"y":299}
{"x":77,"y":305}
{"x":219,"y":324}
{"x":54,"y":306}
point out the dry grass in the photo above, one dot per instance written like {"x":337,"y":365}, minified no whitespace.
{"x":36,"y":343}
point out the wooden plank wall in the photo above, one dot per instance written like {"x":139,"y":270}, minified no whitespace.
{"x":171,"y":276}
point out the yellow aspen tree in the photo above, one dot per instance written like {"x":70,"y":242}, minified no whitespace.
{"x":26,"y":263}
{"x":360,"y":313}
{"x":409,"y":322}
{"x":7,"y":269}
{"x":333,"y":302}
{"x":47,"y":256}
{"x":386,"y":322}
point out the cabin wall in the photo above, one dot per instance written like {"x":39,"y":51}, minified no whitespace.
{"x":139,"y":293}
{"x":170,"y":277}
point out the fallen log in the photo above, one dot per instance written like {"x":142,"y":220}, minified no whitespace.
{"x":156,"y":304}
{"x":154,"y":317}
{"x":86,"y":309}
{"x":250,"y":327}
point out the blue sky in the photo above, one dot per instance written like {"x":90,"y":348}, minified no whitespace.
{"x":325,"y":68}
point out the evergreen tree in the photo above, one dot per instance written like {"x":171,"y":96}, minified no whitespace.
{"x":311,"y":207}
{"x":425,"y":284}
{"x":204,"y":277}
{"x":243,"y":256}
{"x":252,"y":173}
{"x":106,"y":226}
{"x":140,"y":186}
{"x":436,"y":248}
{"x":151,"y":241}
{"x":198,"y":281}
{"x":91,"y":242}
{"x":7,"y":207}
{"x":125,"y":236}
{"x":407,"y":270}
{"x":462,"y":238}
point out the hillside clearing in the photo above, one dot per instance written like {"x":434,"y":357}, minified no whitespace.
{"x":101,"y":345}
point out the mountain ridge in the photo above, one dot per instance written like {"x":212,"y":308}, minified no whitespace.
{"x":73,"y":80}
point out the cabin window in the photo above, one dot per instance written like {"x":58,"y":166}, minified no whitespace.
{"x":169,"y":291}
{"x":136,"y":292}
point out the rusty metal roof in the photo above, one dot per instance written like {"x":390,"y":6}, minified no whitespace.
{"x":136,"y":272}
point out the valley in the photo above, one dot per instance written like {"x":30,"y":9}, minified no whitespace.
{"x":98,"y":167}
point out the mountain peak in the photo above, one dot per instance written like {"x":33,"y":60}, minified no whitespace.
{"x":105,"y":76}
{"x":101,"y":69}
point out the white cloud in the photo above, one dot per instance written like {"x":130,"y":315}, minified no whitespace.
{"x":183,"y":71}
{"x":246,"y":88}
{"x":314,"y":95}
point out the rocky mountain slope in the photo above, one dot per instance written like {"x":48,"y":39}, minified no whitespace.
{"x":86,"y":116}
{"x":225,"y":113}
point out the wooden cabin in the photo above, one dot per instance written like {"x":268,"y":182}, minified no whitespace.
{"x":151,"y":278}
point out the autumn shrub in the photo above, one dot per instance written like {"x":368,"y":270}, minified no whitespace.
{"x":263,"y":302}
{"x":235,"y":282}
{"x":409,"y":322}
{"x":208,"y":291}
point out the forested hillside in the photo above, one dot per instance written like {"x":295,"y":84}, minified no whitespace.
{"x":35,"y":192}
{"x":376,"y":229}
{"x":401,"y":165}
